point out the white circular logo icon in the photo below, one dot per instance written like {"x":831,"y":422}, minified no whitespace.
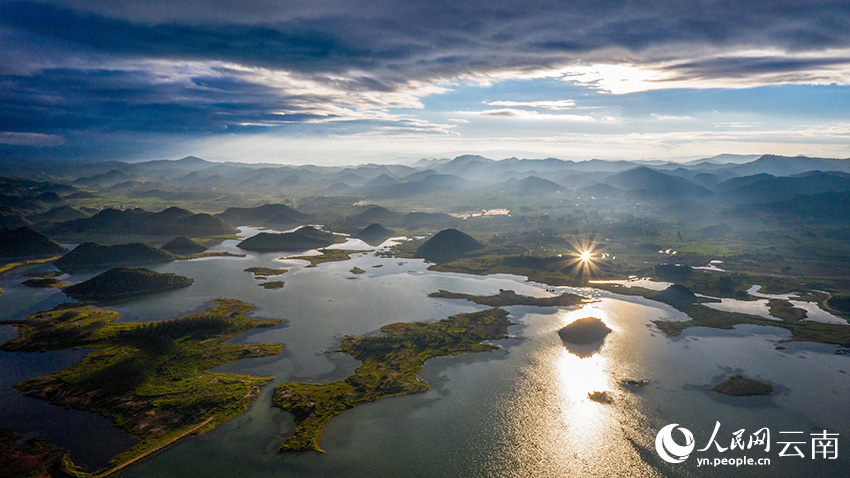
{"x":667,"y":447}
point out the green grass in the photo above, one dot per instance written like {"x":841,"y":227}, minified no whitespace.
{"x":785,"y":310}
{"x":11,"y":265}
{"x":390,"y":363}
{"x":149,"y":378}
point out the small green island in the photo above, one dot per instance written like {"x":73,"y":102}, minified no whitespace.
{"x":507,"y":298}
{"x":584,"y":331}
{"x":149,"y":378}
{"x":327,"y":255}
{"x":738,"y":386}
{"x":390,"y":363}
{"x":122,"y":282}
{"x":263,"y":272}
{"x":183,"y":246}
{"x":356,"y":270}
{"x":305,"y":238}
{"x":45,"y":282}
{"x":275,"y":284}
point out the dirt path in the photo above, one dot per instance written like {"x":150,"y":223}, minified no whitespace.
{"x":148,"y":453}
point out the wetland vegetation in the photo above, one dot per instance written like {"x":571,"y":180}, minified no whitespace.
{"x":150,"y":379}
{"x":390,"y":363}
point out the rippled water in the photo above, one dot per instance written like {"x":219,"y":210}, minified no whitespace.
{"x":522,"y":410}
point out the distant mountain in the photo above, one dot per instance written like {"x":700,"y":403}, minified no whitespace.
{"x":531,"y":186}
{"x":171,"y":221}
{"x":111,"y":178}
{"x":740,"y":182}
{"x":825,"y":207}
{"x":428,"y":184}
{"x":58,"y":214}
{"x":372,"y":215}
{"x":124,"y":282}
{"x":427,"y":220}
{"x":267,"y":214}
{"x":724,"y":159}
{"x":183,"y":246}
{"x":24,"y":243}
{"x":89,"y":254}
{"x":447,"y":245}
{"x":771,"y":189}
{"x":382,"y":180}
{"x":788,"y":166}
{"x":656,"y":183}
{"x":303,"y":239}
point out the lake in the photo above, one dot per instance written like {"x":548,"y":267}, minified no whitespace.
{"x":522,"y":410}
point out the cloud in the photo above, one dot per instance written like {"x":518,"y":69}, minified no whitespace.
{"x":31,"y":139}
{"x":669,"y":117}
{"x":73,"y":68}
{"x":549,"y":104}
{"x":519,"y":114}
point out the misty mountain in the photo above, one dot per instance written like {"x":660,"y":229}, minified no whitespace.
{"x":826,"y":207}
{"x":530,"y":186}
{"x":267,"y":214}
{"x":788,"y":166}
{"x":652,"y":183}
{"x":770,"y":189}
{"x":172,"y":221}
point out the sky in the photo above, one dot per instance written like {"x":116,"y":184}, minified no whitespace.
{"x":350,"y":81}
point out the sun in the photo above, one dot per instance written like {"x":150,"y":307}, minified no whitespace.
{"x":585,"y":256}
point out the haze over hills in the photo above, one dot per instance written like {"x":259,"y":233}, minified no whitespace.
{"x":57,"y":198}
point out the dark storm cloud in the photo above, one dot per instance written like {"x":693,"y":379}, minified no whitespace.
{"x":430,"y":39}
{"x":80,"y":65}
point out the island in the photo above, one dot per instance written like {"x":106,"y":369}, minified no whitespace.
{"x":122,"y":282}
{"x":304,"y":238}
{"x":327,"y":255}
{"x":356,"y":270}
{"x":584,"y":331}
{"x":447,"y":245}
{"x":738,"y":386}
{"x":390,"y":363}
{"x":149,"y":378}
{"x":45,"y":282}
{"x":276,"y":284}
{"x":507,"y":298}
{"x":263,"y":272}
{"x":374,"y":234}
{"x":183,"y":246}
{"x":90,"y":254}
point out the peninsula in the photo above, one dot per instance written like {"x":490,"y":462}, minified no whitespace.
{"x":150,"y":378}
{"x":390,"y":363}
